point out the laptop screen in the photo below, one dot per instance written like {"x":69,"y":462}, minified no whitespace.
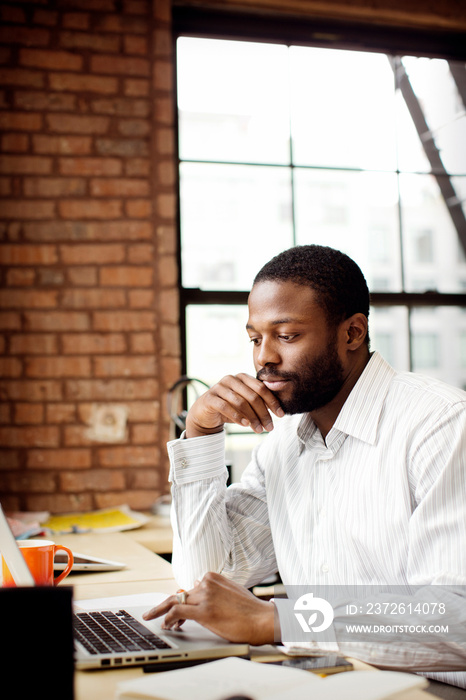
{"x":12,"y":555}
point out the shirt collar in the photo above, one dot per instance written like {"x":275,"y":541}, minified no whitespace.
{"x":360,"y":414}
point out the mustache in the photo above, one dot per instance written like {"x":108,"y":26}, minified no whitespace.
{"x":271,"y":373}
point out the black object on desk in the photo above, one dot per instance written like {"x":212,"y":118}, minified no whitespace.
{"x":37,"y":641}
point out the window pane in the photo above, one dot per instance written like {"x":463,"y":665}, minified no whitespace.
{"x":357,"y":213}
{"x":343,"y":108}
{"x":443,"y":108}
{"x":233,"y":101}
{"x":234,"y":218}
{"x":389,"y":334}
{"x":430,"y":241}
{"x":438,"y":343}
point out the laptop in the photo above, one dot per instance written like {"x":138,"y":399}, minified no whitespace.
{"x":115,"y":638}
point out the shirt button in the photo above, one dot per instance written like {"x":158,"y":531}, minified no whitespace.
{"x":324,"y":568}
{"x":184,"y":463}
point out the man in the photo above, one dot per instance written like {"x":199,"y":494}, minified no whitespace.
{"x":362,"y":480}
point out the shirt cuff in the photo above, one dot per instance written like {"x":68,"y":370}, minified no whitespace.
{"x":193,"y":459}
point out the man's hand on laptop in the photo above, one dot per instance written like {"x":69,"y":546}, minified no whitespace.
{"x":224,"y":607}
{"x":239,"y":399}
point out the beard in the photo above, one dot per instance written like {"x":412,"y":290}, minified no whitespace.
{"x":314,"y":386}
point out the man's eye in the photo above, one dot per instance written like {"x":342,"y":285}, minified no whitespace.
{"x":255,"y":341}
{"x":287,"y":338}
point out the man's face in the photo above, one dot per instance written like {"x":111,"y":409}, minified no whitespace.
{"x":295,"y":352}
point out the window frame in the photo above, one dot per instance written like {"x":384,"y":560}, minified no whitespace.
{"x":198,"y":22}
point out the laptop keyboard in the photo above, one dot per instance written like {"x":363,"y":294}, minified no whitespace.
{"x":109,"y":632}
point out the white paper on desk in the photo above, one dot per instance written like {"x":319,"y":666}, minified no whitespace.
{"x":219,"y":679}
{"x":148,"y":600}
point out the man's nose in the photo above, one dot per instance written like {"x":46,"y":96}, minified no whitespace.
{"x":267,"y":354}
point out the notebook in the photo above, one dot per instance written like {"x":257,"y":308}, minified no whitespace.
{"x":115,"y":637}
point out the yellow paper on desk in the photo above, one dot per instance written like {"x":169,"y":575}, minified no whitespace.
{"x":105,"y":520}
{"x":217,"y":680}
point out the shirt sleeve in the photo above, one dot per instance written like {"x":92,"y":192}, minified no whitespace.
{"x":216,"y":528}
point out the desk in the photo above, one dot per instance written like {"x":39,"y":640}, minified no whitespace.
{"x":156,"y":535}
{"x":146,"y":572}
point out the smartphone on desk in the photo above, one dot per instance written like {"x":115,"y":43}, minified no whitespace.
{"x":317,"y":664}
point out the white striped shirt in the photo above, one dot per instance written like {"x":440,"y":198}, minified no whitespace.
{"x":381,"y":501}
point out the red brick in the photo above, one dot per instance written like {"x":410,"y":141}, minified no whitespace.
{"x":77,"y":436}
{"x":136,"y":87}
{"x":163,"y":75}
{"x":144,"y":434}
{"x":135,"y":45}
{"x":90,"y":166}
{"x":128,"y":456}
{"x":62,"y":145}
{"x":82,"y":276}
{"x":37,"y":436}
{"x":10,"y":367}
{"x":137,"y":167}
{"x":82,"y":254}
{"x":22,"y":209}
{"x":111,"y":390}
{"x":77,"y":124}
{"x":33,"y":344}
{"x":20,"y":277}
{"x":5,"y":414}
{"x":93,"y":298}
{"x":144,"y":479}
{"x":20,"y":121}
{"x":24,"y":482}
{"x":53,"y":186}
{"x":137,"y":500}
{"x":60,"y":503}
{"x":25,"y":165}
{"x":141,"y":298}
{"x":142,"y":342}
{"x":12,"y":14}
{"x":114,"y":366}
{"x":13,"y":254}
{"x":56,"y":321}
{"x":138,"y":208}
{"x":124,"y":187}
{"x":170,"y":336}
{"x":24,"y":35}
{"x":45,"y":17}
{"x":30,"y":390}
{"x":96,"y":42}
{"x":169,"y":305}
{"x":95,"y":480}
{"x":73,"y":82}
{"x":50,"y":60}
{"x":93,"y":343}
{"x":125,"y":148}
{"x":143,"y":411}
{"x":10,"y":321}
{"x":75,"y":20}
{"x":60,"y":413}
{"x":168,"y":271}
{"x":134,"y":127}
{"x":44,"y":101}
{"x":123,"y":24}
{"x":29,"y":413}
{"x":121,"y":107}
{"x":90,"y":209}
{"x":9,"y":459}
{"x":20,"y":77}
{"x":6,"y":186}
{"x":131,"y":276}
{"x":59,"y":459}
{"x":27,"y":298}
{"x":60,"y":366}
{"x":140,"y":253}
{"x":120,"y":65}
{"x":15,"y":143}
{"x":124,"y":321}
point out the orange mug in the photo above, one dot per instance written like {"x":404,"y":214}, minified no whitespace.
{"x":39,"y":556}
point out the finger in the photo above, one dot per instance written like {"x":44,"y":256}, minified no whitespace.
{"x":177,"y":615}
{"x":266,"y":395}
{"x":160,"y":609}
{"x":249,"y":398}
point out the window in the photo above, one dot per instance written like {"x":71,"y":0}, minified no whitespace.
{"x":282,"y":145}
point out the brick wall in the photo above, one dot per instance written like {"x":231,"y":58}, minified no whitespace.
{"x":88,"y":299}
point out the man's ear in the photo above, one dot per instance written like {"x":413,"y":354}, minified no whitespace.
{"x":356,"y":330}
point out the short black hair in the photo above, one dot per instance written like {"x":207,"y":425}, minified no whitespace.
{"x":339,"y":284}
